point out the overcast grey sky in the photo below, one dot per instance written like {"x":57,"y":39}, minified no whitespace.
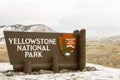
{"x":99,"y":17}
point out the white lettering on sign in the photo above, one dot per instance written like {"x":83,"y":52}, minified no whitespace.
{"x":33,"y":54}
{"x":32,"y":47}
{"x":31,"y":41}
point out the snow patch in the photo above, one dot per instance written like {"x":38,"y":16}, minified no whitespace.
{"x":103,"y":73}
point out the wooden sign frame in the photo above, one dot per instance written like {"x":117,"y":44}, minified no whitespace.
{"x":32,"y":51}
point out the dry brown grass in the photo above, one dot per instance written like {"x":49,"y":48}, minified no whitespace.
{"x":108,"y":55}
{"x":3,"y":54}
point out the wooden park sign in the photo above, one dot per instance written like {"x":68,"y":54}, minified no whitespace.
{"x":30,"y":51}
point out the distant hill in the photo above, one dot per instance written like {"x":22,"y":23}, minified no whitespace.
{"x":43,"y":28}
{"x":108,"y":40}
{"x":23,"y":28}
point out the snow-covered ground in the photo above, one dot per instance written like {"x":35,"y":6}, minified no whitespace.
{"x":103,"y":73}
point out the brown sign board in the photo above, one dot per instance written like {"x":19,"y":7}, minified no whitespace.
{"x":29,"y":51}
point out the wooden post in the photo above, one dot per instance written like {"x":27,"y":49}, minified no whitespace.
{"x":76,"y":31}
{"x":76,"y":34}
{"x":55,"y":64}
{"x":27,"y":68}
{"x":82,"y":49}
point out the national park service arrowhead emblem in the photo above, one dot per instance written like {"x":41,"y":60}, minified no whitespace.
{"x":67,"y":44}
